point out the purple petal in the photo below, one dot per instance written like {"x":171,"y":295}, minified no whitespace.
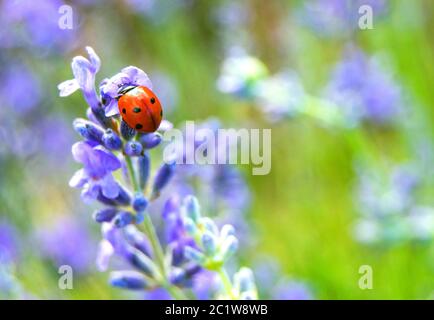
{"x":137,"y":76}
{"x":94,"y":59}
{"x":109,"y":187}
{"x":105,"y":251}
{"x":112,"y":109}
{"x":78,"y":180}
{"x":108,"y":160}
{"x":68,"y":87}
{"x":81,"y":68}
{"x":80,"y":151}
{"x":165,"y":125}
{"x":90,"y":191}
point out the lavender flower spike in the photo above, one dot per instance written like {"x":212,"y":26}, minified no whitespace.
{"x":213,"y":248}
{"x":194,"y":244}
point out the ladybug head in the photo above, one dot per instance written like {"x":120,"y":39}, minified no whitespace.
{"x":124,"y":89}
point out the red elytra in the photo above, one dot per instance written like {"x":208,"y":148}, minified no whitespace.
{"x":141,"y":109}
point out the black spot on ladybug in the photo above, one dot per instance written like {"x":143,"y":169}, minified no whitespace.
{"x":137,"y":110}
{"x":124,"y":111}
{"x":152,"y":100}
{"x":161,"y":113}
{"x":139,"y":126}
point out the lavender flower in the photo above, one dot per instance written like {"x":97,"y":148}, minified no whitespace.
{"x":278,"y":96}
{"x":213,"y":248}
{"x":223,"y":185}
{"x":274,"y":285}
{"x":67,"y":241}
{"x":84,"y":71}
{"x":389,"y":207}
{"x":363,"y":90}
{"x":35,"y":27}
{"x":240,"y":74}
{"x":148,"y":262}
{"x":281,"y":96}
{"x":16,"y":79}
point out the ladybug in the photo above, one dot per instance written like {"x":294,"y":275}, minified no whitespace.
{"x":140,"y":108}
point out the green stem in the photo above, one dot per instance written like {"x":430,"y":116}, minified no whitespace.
{"x":155,"y":243}
{"x":227,"y":284}
{"x":131,"y":172}
{"x":159,"y":257}
{"x":153,"y":238}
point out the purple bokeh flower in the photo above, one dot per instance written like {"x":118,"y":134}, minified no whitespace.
{"x":67,"y":241}
{"x":390,"y":210}
{"x":20,"y":90}
{"x":8,"y":242}
{"x":54,"y":133}
{"x":363,"y":90}
{"x":24,"y":24}
{"x":337,"y":18}
{"x":274,"y":285}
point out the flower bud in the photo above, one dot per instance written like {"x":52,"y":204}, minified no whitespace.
{"x":106,"y":201}
{"x":123,"y":198}
{"x":209,"y":243}
{"x":88,"y":130}
{"x":105,"y":251}
{"x":99,"y":114}
{"x":150,"y":140}
{"x":137,"y":239}
{"x":183,"y":276}
{"x":192,"y":208}
{"x":229,"y":247}
{"x":133,"y":149}
{"x":164,"y":174}
{"x":123,"y":219}
{"x":139,"y":202}
{"x":226,"y":231}
{"x":105,"y":215}
{"x":190,"y":226}
{"x":132,"y":280}
{"x":126,"y":131}
{"x":209,"y":225}
{"x":111,"y":140}
{"x":194,"y":255}
{"x":144,"y":168}
{"x":140,"y":261}
{"x":244,"y":280}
